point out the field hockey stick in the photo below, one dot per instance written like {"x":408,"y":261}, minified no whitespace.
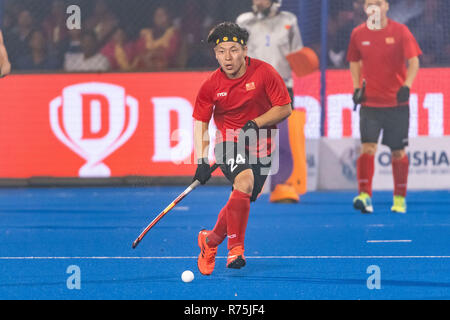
{"x":361,"y":94}
{"x":188,"y":190}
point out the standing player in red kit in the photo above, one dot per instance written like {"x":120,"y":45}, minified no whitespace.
{"x":247,"y":97}
{"x":385,"y":54}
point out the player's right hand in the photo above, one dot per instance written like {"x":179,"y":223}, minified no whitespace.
{"x":358,"y":96}
{"x":203,"y":172}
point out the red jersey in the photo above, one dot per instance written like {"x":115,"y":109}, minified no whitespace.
{"x":234,"y":102}
{"x":383,"y":53}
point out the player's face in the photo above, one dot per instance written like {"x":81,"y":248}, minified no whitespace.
{"x":382,"y":4}
{"x":262,"y":5}
{"x":231,"y":58}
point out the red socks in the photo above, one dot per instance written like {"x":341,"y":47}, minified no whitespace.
{"x":219,"y":233}
{"x":237,"y":217}
{"x":365,"y":167}
{"x":365,"y":171}
{"x":232,"y":221}
{"x":400,"y":169}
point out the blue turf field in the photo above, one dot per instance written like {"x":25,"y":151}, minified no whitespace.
{"x":318,"y":249}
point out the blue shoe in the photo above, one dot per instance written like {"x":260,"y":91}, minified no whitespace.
{"x":363,"y":203}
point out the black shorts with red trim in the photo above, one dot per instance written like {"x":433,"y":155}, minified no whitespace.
{"x":234,"y":160}
{"x":393,"y":121}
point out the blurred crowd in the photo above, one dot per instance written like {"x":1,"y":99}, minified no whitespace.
{"x":133,"y":35}
{"x":142,"y":35}
{"x":428,"y":20}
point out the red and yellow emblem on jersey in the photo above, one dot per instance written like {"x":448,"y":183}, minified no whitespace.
{"x":250,"y":86}
{"x":390,"y":40}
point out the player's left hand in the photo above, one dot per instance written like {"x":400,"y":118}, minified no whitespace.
{"x":248,"y":127}
{"x":403,"y":94}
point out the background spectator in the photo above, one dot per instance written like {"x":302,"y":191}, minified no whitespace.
{"x":196,"y":23}
{"x":89,"y":59}
{"x":120,"y":51}
{"x":102,"y":21}
{"x":190,"y":21}
{"x":74,"y":41}
{"x":40,"y":56}
{"x":159,"y":46}
{"x":19,"y":38}
{"x":54,"y":26}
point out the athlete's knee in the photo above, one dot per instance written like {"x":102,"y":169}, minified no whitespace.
{"x":398,"y":154}
{"x":369,"y":148}
{"x":244,"y":181}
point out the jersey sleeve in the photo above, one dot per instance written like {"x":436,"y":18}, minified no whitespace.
{"x":241,"y":19}
{"x":411,"y":48}
{"x":204,"y":103}
{"x":276,"y":89}
{"x":295,"y":36}
{"x":353,"y":53}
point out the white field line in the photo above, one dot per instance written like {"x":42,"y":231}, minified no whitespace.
{"x":389,"y":241}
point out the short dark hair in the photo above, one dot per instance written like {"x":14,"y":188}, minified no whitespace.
{"x":227,"y":29}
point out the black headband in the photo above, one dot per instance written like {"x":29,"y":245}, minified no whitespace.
{"x":229,"y":38}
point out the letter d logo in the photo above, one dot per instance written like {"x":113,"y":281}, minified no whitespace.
{"x":94,"y":119}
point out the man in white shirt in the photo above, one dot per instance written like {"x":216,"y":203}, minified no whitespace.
{"x":274,"y":34}
{"x":87,"y":60}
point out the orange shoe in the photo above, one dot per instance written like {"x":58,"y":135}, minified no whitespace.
{"x":284,"y":193}
{"x":207,"y":257}
{"x":236,"y":259}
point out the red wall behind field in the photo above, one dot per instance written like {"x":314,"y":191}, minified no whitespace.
{"x":430,"y":104}
{"x":70,"y":125}
{"x":29,"y":147}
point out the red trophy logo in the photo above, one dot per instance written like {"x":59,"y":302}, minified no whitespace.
{"x":94,"y":119}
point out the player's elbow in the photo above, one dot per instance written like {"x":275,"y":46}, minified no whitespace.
{"x":287,"y":111}
{"x":414,"y":62}
{"x":283,"y":113}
